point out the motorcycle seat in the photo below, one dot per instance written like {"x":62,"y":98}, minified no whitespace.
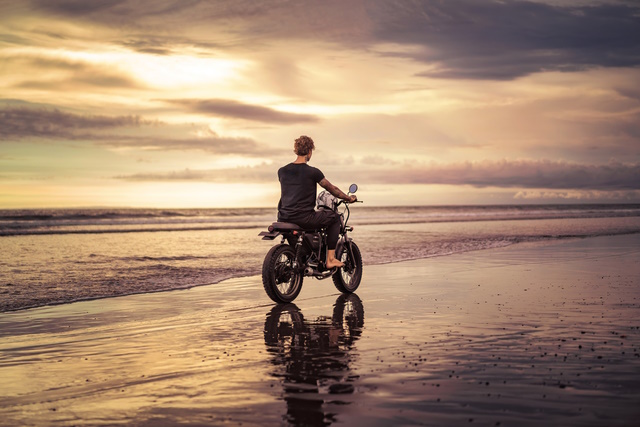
{"x":289,"y":226}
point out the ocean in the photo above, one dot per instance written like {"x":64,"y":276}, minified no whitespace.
{"x":55,"y":256}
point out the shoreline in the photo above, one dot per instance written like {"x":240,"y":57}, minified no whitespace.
{"x":541,"y":240}
{"x":523,"y":335}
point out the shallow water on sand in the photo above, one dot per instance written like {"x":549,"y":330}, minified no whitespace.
{"x":92,"y":254}
{"x":534,"y":334}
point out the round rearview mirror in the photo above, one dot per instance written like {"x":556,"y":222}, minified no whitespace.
{"x":353,"y":188}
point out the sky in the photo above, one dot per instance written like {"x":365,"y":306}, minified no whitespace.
{"x":194,"y":103}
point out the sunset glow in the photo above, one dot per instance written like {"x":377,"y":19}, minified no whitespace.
{"x":175,"y":104}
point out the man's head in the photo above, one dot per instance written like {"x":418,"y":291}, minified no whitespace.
{"x":304,"y":146}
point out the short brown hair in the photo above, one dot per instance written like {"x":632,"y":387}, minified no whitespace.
{"x":303,"y":146}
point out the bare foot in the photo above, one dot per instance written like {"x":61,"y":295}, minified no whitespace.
{"x":334,"y":263}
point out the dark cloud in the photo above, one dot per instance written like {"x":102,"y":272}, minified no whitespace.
{"x":79,"y":8}
{"x":20,"y":123}
{"x":516,"y":174}
{"x":160,"y":15}
{"x":237,"y":110}
{"x":237,"y":19}
{"x":466,"y":39}
{"x":474,"y":39}
{"x":46,"y":124}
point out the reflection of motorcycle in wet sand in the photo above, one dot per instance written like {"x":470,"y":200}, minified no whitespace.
{"x":313,"y":357}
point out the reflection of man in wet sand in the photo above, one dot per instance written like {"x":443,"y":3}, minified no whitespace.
{"x":298,"y":197}
{"x":313,"y":357}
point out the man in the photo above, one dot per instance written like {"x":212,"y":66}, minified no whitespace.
{"x":298,"y":197}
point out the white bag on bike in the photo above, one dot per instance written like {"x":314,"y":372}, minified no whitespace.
{"x":326,"y":200}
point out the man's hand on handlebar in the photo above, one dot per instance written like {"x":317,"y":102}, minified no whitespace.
{"x":352,"y":199}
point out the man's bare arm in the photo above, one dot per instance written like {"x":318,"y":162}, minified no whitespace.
{"x":324,"y":183}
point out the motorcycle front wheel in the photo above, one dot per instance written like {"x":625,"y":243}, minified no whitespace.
{"x":280,"y":281}
{"x":347,"y":278}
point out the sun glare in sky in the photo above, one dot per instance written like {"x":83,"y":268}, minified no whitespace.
{"x":181,"y":104}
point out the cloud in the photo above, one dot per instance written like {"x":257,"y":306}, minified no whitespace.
{"x":151,"y":45}
{"x":582,"y":195}
{"x":502,"y":40}
{"x":631,"y":93}
{"x":20,"y":122}
{"x":237,"y":20}
{"x":47,"y":124}
{"x":95,"y":81}
{"x":110,"y":9}
{"x":157,"y":43}
{"x":79,"y":8}
{"x":515,"y":174}
{"x":523,"y":174}
{"x":457,"y":39}
{"x":211,"y":143}
{"x":377,"y":160}
{"x":253,"y":174}
{"x":65,"y":73}
{"x":237,"y":110}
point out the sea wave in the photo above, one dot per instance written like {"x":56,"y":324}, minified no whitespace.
{"x":111,"y":230}
{"x":99,"y":221}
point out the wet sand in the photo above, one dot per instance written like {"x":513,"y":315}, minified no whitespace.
{"x":533,"y":334}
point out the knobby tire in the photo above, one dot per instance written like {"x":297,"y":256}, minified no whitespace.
{"x":347,"y":278}
{"x":275,"y":268}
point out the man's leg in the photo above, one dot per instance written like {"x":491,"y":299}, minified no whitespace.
{"x":330,"y":220}
{"x":333,"y":232}
{"x":332,"y":261}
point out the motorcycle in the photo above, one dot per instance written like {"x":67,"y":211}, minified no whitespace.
{"x":303,"y":253}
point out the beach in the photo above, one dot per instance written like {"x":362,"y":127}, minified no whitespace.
{"x":536,"y":333}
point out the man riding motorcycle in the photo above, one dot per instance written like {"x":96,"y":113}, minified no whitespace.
{"x":298,"y":188}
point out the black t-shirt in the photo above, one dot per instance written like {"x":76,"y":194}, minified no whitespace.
{"x":297,"y":189}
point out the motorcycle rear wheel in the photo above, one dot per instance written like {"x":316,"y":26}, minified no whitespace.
{"x":347,"y":278}
{"x":280,"y":281}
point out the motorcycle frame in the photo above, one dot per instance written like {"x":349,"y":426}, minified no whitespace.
{"x":300,"y":241}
